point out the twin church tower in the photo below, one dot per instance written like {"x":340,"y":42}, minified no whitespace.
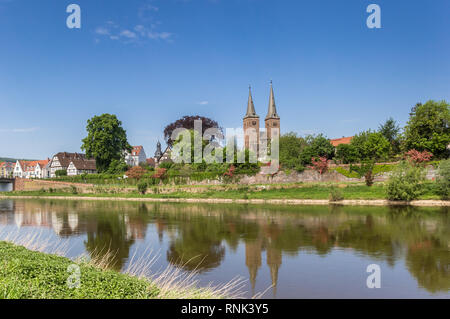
{"x":251,"y":121}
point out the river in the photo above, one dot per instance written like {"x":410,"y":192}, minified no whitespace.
{"x":284,"y":251}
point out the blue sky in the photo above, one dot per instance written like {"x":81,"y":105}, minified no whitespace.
{"x":151,"y":62}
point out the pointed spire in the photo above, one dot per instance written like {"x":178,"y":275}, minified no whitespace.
{"x":250,"y":106}
{"x":272,"y":111}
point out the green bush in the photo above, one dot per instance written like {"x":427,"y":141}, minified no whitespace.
{"x":61,"y":172}
{"x":142,"y":187}
{"x":336,"y":194}
{"x":443,"y":180}
{"x":405,"y":183}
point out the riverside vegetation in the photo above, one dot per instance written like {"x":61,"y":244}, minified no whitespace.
{"x":27,"y":274}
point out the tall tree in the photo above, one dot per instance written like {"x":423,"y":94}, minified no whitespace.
{"x":106,"y":140}
{"x":371,"y":146}
{"x":428,"y":128}
{"x":290,"y":150}
{"x":390,"y":130}
{"x":187,"y":122}
{"x":318,"y":146}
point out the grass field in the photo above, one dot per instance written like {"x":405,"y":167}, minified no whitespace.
{"x":295,"y":191}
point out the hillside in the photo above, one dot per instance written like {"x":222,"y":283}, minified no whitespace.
{"x":8,"y":159}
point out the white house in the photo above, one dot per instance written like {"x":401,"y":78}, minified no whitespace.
{"x":73,"y":163}
{"x":32,"y":169}
{"x":136,"y":157}
{"x":77,"y":167}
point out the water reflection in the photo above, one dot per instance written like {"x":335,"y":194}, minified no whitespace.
{"x":202,"y":237}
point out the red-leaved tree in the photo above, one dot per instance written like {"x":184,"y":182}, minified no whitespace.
{"x":418,"y":157}
{"x":160,"y":173}
{"x":319,"y":164}
{"x":230,"y":171}
{"x":136,"y":172}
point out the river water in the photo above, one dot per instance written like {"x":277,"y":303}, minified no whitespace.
{"x":284,"y":251}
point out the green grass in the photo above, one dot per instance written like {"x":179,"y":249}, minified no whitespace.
{"x":294,"y":191}
{"x":27,"y":274}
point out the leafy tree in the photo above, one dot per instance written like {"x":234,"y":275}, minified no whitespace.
{"x":117,"y":167}
{"x":187,"y":122}
{"x":318,"y":146}
{"x":391,"y":131}
{"x":405,"y":183}
{"x":106,"y":140}
{"x":364,"y":169}
{"x":319,"y":164}
{"x":347,"y":153}
{"x":136,"y":172}
{"x":443,"y":180}
{"x":185,"y":144}
{"x":371,"y":146}
{"x":290,"y":151}
{"x":417,"y":157}
{"x":428,"y":128}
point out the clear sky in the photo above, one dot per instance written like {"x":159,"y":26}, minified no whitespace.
{"x":151,"y":62}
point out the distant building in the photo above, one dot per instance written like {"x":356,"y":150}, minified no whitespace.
{"x":251,"y":123}
{"x":343,"y":140}
{"x":160,"y":156}
{"x":7,"y":169}
{"x":73,"y":163}
{"x":165,"y":157}
{"x":78,"y":167}
{"x":32,"y":169}
{"x":136,"y":157}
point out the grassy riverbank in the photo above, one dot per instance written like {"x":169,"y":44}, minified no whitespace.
{"x":26,"y":274}
{"x":266,"y":192}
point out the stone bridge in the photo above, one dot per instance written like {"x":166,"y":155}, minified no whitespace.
{"x":7,"y":184}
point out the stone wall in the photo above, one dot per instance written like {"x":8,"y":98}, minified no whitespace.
{"x":23,"y":184}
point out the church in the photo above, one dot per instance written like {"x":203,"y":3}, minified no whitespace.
{"x":252,"y":133}
{"x":251,"y":123}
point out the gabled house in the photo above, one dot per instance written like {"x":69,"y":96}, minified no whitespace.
{"x":31,"y":169}
{"x":6,"y":169}
{"x":73,"y":163}
{"x":78,"y":167}
{"x":136,"y":157}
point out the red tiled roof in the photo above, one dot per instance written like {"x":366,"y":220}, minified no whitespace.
{"x":136,"y":150}
{"x":343,"y":140}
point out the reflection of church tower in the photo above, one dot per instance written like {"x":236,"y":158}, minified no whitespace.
{"x":274,"y":263}
{"x":251,"y":123}
{"x":253,"y":260}
{"x":272,"y":121}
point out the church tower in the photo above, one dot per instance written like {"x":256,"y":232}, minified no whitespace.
{"x":251,"y":121}
{"x":272,"y":120}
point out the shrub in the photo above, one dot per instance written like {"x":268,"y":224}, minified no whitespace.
{"x":336,"y":195}
{"x":73,"y":190}
{"x":320,"y":165}
{"x":417,"y":157}
{"x":405,"y":183}
{"x":136,"y":172}
{"x":160,"y":173}
{"x":443,"y":180}
{"x":142,"y":187}
{"x":166,"y":165}
{"x":365,"y":169}
{"x":61,"y":172}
